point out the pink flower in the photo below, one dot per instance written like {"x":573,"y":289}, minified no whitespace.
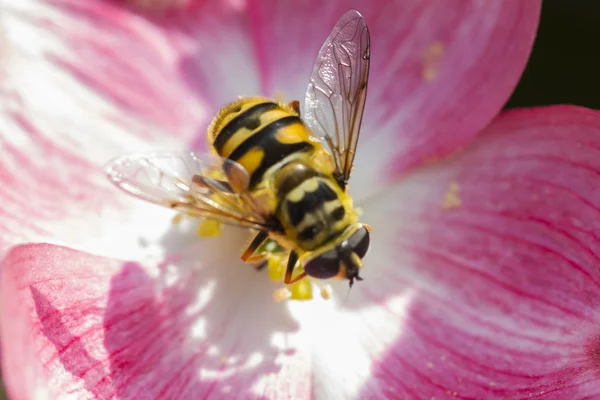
{"x":482,"y":280}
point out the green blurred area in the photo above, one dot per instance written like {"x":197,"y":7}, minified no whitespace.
{"x":564,"y":67}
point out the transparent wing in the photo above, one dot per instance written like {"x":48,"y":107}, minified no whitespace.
{"x":198,"y":184}
{"x":335,"y":97}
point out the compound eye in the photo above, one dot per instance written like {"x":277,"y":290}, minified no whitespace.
{"x":359,"y":242}
{"x":325,"y":266}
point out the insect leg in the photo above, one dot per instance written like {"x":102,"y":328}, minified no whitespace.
{"x":290,"y":269}
{"x":262,"y":265}
{"x":248,"y":256}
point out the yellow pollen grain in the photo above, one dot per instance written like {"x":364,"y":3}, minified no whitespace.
{"x":430,"y":365}
{"x":276,"y":267}
{"x":209,"y":228}
{"x":451,"y":198}
{"x":432,"y":57}
{"x":301,"y":290}
{"x":326,"y":292}
{"x":281,"y":294}
{"x":177,"y":219}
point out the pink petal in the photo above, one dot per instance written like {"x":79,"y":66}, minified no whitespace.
{"x":440,"y":70}
{"x":499,"y":249}
{"x":99,"y":328}
{"x":88,"y":81}
{"x":141,"y":62}
{"x":158,"y":77}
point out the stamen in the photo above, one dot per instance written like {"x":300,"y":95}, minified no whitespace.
{"x":326,"y":292}
{"x":276,"y":266}
{"x":209,"y":228}
{"x":302,"y":290}
{"x":177,"y":219}
{"x":281,"y":294}
{"x":276,"y":262}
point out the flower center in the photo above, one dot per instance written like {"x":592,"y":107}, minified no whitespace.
{"x":275,"y":262}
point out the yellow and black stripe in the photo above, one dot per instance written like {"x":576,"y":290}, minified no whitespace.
{"x":313,"y":211}
{"x":258,"y":134}
{"x":272,"y":143}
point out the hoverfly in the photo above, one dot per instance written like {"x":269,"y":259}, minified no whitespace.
{"x":275,"y":170}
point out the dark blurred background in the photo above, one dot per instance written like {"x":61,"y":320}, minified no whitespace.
{"x":565,"y":63}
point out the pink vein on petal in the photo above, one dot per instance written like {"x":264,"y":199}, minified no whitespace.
{"x":34,"y":180}
{"x":65,"y":116}
{"x":440,"y":71}
{"x":112,"y":329}
{"x":500,"y":246}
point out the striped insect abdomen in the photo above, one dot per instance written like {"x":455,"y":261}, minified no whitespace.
{"x":258,"y":134}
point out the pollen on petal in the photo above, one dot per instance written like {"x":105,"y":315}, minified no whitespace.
{"x":431,"y":60}
{"x":158,"y":5}
{"x":593,"y":351}
{"x":451,"y":198}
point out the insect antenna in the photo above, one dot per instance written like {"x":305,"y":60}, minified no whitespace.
{"x":347,"y":295}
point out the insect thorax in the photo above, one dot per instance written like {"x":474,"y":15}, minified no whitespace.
{"x":312,"y":207}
